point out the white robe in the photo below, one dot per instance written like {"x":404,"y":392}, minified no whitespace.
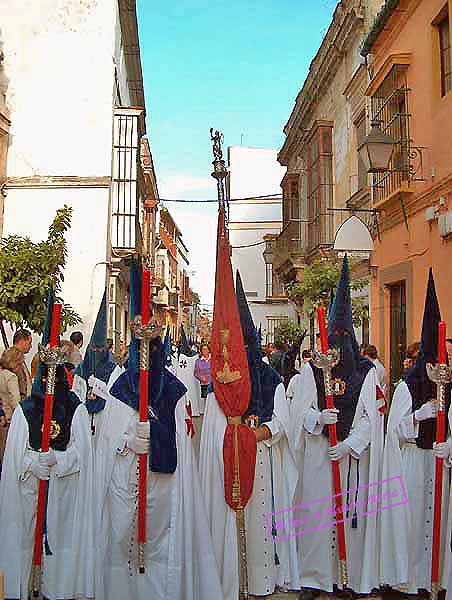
{"x":263,"y":574}
{"x":406,"y":531}
{"x":69,"y":572}
{"x":185,"y":372}
{"x":101,"y":389}
{"x":179,"y":558}
{"x":317,"y":550}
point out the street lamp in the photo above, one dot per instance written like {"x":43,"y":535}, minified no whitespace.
{"x":377,"y":150}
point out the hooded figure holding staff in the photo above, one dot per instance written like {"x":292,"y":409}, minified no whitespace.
{"x":245,"y":421}
{"x":410,"y":452}
{"x":178,"y":556}
{"x":97,"y":372}
{"x":67,"y":562}
{"x":359,"y":430}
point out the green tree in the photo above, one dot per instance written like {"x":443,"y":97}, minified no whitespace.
{"x":288,"y":331}
{"x":319,"y":279}
{"x":27,"y":269}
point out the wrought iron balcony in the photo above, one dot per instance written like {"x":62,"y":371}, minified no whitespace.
{"x":125,"y":186}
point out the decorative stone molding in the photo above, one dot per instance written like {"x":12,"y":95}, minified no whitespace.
{"x":57,"y":181}
{"x":348,"y":19}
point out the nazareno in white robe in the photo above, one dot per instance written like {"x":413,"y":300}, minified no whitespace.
{"x":69,"y":572}
{"x":101,"y":389}
{"x":263,"y":574}
{"x":317,"y":550}
{"x":406,"y":530}
{"x":179,"y":558}
{"x":185,"y":372}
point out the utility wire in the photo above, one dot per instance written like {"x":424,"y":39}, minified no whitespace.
{"x":248,"y":245}
{"x":231,"y":200}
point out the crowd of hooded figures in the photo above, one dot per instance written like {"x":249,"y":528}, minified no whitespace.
{"x":90,"y":547}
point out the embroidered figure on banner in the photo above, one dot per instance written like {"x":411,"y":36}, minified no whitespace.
{"x":226,"y":375}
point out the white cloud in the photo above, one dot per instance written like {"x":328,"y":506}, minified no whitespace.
{"x":185,"y":186}
{"x":199,"y":231}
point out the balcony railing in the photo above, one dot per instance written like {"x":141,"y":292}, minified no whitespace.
{"x":390,"y":110}
{"x":290,"y":249}
{"x":125,"y":222}
{"x":173,"y":301}
{"x":291,"y":239}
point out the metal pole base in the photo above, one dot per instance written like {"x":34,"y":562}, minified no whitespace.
{"x":36,"y":581}
{"x":435,"y":591}
{"x":343,"y":573}
{"x":141,"y":568}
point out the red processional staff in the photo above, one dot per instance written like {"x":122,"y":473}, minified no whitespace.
{"x":326,"y":361}
{"x":232,"y":387}
{"x":144,"y":332}
{"x":441,"y":375}
{"x":51,"y":356}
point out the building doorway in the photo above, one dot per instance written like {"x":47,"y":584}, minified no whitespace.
{"x":398,"y":341}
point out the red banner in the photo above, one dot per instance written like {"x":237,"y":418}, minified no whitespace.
{"x":231,"y":379}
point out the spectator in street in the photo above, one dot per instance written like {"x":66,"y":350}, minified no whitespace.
{"x":10,"y":366}
{"x":76,"y":356}
{"x":123,"y":354}
{"x":410,"y":357}
{"x":202,"y":370}
{"x":371,"y":353}
{"x":22,"y":341}
{"x":306,"y":356}
{"x":268,"y":351}
{"x":110,"y":349}
{"x":277,"y":357}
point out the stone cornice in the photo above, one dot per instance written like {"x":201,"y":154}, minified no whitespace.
{"x":132,"y":55}
{"x":346,"y":21}
{"x":57,"y":181}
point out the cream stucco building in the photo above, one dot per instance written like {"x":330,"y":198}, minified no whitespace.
{"x":76,"y":105}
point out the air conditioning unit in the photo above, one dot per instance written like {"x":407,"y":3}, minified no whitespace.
{"x":445,"y":224}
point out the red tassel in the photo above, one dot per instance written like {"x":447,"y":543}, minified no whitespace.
{"x":383,"y":407}
{"x":189,"y":420}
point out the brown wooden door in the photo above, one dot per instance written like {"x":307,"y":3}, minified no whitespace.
{"x":398,"y":340}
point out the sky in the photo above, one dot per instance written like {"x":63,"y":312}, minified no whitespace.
{"x":236,"y":66}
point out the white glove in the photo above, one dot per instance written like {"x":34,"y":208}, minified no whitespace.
{"x":428,"y":410}
{"x":328,"y":416}
{"x":442,"y":449}
{"x":339,"y":451}
{"x":137,"y":444}
{"x":143,"y":430}
{"x":47,"y":459}
{"x":139,"y":441}
{"x":39,"y":470}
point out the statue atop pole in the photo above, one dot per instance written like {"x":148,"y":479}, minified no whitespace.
{"x":219,"y":167}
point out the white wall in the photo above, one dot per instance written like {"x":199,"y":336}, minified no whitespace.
{"x":255,"y":172}
{"x":30,"y":212}
{"x":59,"y":62}
{"x":59,"y":59}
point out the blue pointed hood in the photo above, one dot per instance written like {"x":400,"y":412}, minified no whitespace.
{"x":250,"y":334}
{"x":352,"y":368}
{"x":417,"y":380}
{"x":133,"y":361}
{"x":264,"y":379}
{"x":97,"y":360}
{"x":330,"y":306}
{"x":168,"y":348}
{"x":38,"y":385}
{"x":184,"y":346}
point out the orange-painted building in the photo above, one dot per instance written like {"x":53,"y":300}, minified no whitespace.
{"x":409,"y":59}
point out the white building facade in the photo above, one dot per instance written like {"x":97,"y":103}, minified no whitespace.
{"x":256,"y":211}
{"x":74,"y":71}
